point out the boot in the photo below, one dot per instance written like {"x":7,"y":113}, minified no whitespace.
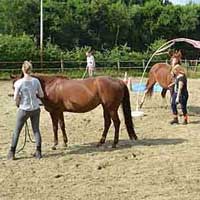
{"x":174,"y":121}
{"x":185,"y":121}
{"x":11,"y":154}
{"x":38,"y":153}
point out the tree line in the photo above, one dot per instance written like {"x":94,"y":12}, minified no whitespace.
{"x":135,"y":27}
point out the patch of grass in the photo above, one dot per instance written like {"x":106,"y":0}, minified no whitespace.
{"x":5,"y":75}
{"x":79,"y":73}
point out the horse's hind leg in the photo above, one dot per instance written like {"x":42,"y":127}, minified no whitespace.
{"x":54,"y":118}
{"x":62,"y":126}
{"x":143,"y":99}
{"x":107,"y":122}
{"x":163,"y":94}
{"x":149,"y":90}
{"x":116,"y":121}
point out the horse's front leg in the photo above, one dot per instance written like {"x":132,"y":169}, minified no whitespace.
{"x":107,"y":122}
{"x":62,"y":126}
{"x":54,"y":118}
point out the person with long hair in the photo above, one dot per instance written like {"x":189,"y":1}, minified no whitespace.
{"x":27,"y":90}
{"x":180,"y":94}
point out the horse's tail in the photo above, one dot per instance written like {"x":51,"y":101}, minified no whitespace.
{"x":127,"y":114}
{"x":163,"y":92}
{"x":149,"y":88}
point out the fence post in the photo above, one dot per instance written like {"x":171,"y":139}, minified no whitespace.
{"x":186,"y":65}
{"x":62,"y":65}
{"x":118,"y":65}
{"x":143,"y":64}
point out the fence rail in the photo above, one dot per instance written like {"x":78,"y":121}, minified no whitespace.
{"x":63,"y":66}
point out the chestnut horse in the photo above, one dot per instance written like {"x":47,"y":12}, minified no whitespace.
{"x":79,"y":96}
{"x":161,"y":73}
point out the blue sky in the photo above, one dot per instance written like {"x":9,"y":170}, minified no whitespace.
{"x":182,"y":2}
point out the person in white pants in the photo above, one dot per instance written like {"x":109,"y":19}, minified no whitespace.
{"x":90,"y":63}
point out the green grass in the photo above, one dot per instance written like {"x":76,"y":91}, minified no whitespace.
{"x":78,"y":73}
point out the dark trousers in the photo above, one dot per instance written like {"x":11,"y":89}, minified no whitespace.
{"x":22,"y":117}
{"x":182,"y":100}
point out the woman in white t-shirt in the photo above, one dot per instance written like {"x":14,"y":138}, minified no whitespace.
{"x":27,"y":91}
{"x":90,"y":63}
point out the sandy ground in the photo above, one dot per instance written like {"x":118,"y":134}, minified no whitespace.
{"x":163,"y":164}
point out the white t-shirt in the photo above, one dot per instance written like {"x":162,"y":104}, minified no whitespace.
{"x":90,"y":61}
{"x":27,"y":91}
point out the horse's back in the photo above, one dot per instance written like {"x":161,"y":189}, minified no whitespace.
{"x":161,"y":73}
{"x":160,"y":67}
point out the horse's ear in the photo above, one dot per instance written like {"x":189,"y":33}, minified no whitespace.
{"x":170,"y":53}
{"x":22,"y":75}
{"x":179,"y":53}
{"x":12,"y":76}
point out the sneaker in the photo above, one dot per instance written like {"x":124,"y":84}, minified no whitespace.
{"x":11,"y":155}
{"x":185,"y":122}
{"x":174,"y":121}
{"x":38,"y":154}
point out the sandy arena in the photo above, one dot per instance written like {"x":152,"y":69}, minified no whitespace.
{"x":164,"y":164}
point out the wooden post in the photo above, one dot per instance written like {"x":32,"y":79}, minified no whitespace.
{"x":62,"y":65}
{"x":41,"y":33}
{"x":118,"y":65}
{"x":143,"y":64}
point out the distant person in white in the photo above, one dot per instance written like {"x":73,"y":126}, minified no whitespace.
{"x":90,"y":63}
{"x":27,"y":91}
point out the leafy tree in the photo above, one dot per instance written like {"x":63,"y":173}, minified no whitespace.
{"x":17,"y":48}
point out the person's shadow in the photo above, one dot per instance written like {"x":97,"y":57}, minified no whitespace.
{"x":194,"y":111}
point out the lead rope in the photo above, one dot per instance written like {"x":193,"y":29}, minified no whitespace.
{"x":27,"y":132}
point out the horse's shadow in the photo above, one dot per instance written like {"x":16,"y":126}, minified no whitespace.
{"x":91,"y":148}
{"x":123,"y":144}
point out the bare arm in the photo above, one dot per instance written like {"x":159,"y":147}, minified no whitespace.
{"x":17,"y":96}
{"x":40,"y":93}
{"x":180,"y":86}
{"x":171,"y":84}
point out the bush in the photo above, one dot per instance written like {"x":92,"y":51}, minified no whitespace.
{"x":17,"y":48}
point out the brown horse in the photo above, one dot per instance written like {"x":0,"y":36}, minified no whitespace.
{"x":161,"y":73}
{"x":79,"y":96}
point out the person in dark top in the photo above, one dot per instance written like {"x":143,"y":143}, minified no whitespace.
{"x":180,"y":94}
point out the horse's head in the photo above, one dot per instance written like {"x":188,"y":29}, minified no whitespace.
{"x":175,"y":58}
{"x":14,"y":78}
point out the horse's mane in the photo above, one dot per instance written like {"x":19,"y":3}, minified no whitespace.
{"x":48,"y":78}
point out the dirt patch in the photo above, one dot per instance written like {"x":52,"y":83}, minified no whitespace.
{"x":163,"y":164}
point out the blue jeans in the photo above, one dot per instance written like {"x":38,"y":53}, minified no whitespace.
{"x":182,"y":100}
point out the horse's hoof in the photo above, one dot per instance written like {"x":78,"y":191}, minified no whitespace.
{"x":131,"y":137}
{"x":114,"y":145}
{"x":53,"y":148}
{"x":65,"y":145}
{"x":135,"y":137}
{"x":99,"y":144}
